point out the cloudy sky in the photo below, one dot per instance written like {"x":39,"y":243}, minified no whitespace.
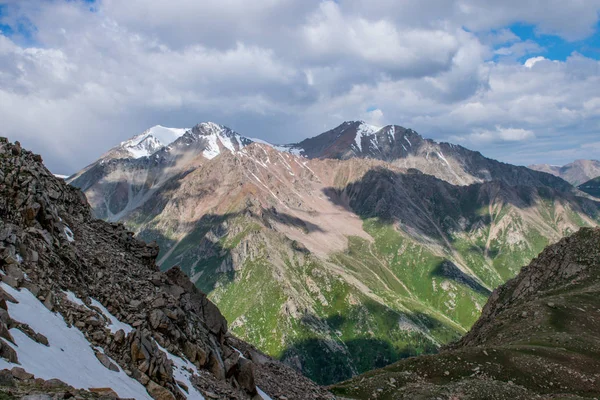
{"x":518,"y":80}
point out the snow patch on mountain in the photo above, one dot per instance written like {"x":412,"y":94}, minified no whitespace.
{"x":148,"y":142}
{"x":183,"y":370}
{"x":364,"y":130}
{"x":218,"y":138}
{"x":68,"y":357}
{"x":115,"y":324}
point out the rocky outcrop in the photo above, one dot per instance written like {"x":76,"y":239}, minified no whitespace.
{"x":99,"y":277}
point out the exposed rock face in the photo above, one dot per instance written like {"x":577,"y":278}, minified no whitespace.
{"x":536,"y":338}
{"x":99,"y":277}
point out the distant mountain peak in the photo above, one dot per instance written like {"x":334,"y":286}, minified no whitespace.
{"x":576,"y":173}
{"x":150,"y":141}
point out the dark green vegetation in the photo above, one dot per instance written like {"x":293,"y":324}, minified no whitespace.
{"x":538,"y":336}
{"x":591,"y":187}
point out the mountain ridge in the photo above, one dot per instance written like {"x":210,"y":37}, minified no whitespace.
{"x":576,"y":173}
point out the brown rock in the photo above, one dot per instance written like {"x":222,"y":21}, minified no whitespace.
{"x":215,"y":365}
{"x":201,"y":357}
{"x":105,"y":392}
{"x":54,"y":384}
{"x":158,"y":320}
{"x":10,"y":281}
{"x":141,"y":377}
{"x":104,"y":360}
{"x":38,"y":337}
{"x":6,"y":378}
{"x":119,"y":336}
{"x":20,"y":373}
{"x":34,"y":289}
{"x":14,"y":271}
{"x":158,"y":392}
{"x":8,"y":353}
{"x":49,"y":301}
{"x":7,"y":297}
{"x":5,"y":333}
{"x":245,"y":375}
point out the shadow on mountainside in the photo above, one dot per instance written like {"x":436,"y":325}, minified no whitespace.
{"x":204,"y":251}
{"x":418,"y":200}
{"x":448,"y":270}
{"x":362,"y":339}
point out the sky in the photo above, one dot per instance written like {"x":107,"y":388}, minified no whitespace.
{"x":518,"y":80}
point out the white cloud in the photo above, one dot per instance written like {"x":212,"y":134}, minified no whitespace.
{"x":530,"y":62}
{"x":286,"y":69}
{"x":374,"y":117}
{"x":499,"y":134}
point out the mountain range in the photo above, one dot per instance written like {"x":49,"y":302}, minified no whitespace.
{"x":576,"y":173}
{"x":352,"y":250}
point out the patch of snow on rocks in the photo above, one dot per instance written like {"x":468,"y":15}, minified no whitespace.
{"x":74,"y":299}
{"x":363,"y":131}
{"x":263,"y":394}
{"x":69,"y":234}
{"x":69,"y":356}
{"x":115,"y":324}
{"x":183,"y":371}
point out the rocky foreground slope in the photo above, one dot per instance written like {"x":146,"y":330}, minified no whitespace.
{"x":537,"y":337}
{"x":85,"y":311}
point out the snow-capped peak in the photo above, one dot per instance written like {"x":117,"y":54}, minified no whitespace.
{"x":148,"y":142}
{"x":364,"y":129}
{"x":218,"y":137}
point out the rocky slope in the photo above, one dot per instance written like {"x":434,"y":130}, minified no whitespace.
{"x":576,"y":173}
{"x":346,"y":264}
{"x":85,"y":311}
{"x":536,"y":338}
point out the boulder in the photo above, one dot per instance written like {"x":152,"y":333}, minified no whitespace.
{"x":119,"y":336}
{"x":8,"y":353}
{"x":158,"y":392}
{"x":158,"y":320}
{"x":104,"y":360}
{"x":10,"y":281}
{"x":105,"y":392}
{"x":245,"y":375}
{"x":20,"y":373}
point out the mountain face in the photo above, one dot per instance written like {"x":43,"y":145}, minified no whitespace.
{"x":536,"y":338}
{"x":86,"y":313}
{"x":345,"y":263}
{"x":576,"y":173}
{"x":117,"y":184}
{"x":405,"y":148}
{"x":591,"y":187}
